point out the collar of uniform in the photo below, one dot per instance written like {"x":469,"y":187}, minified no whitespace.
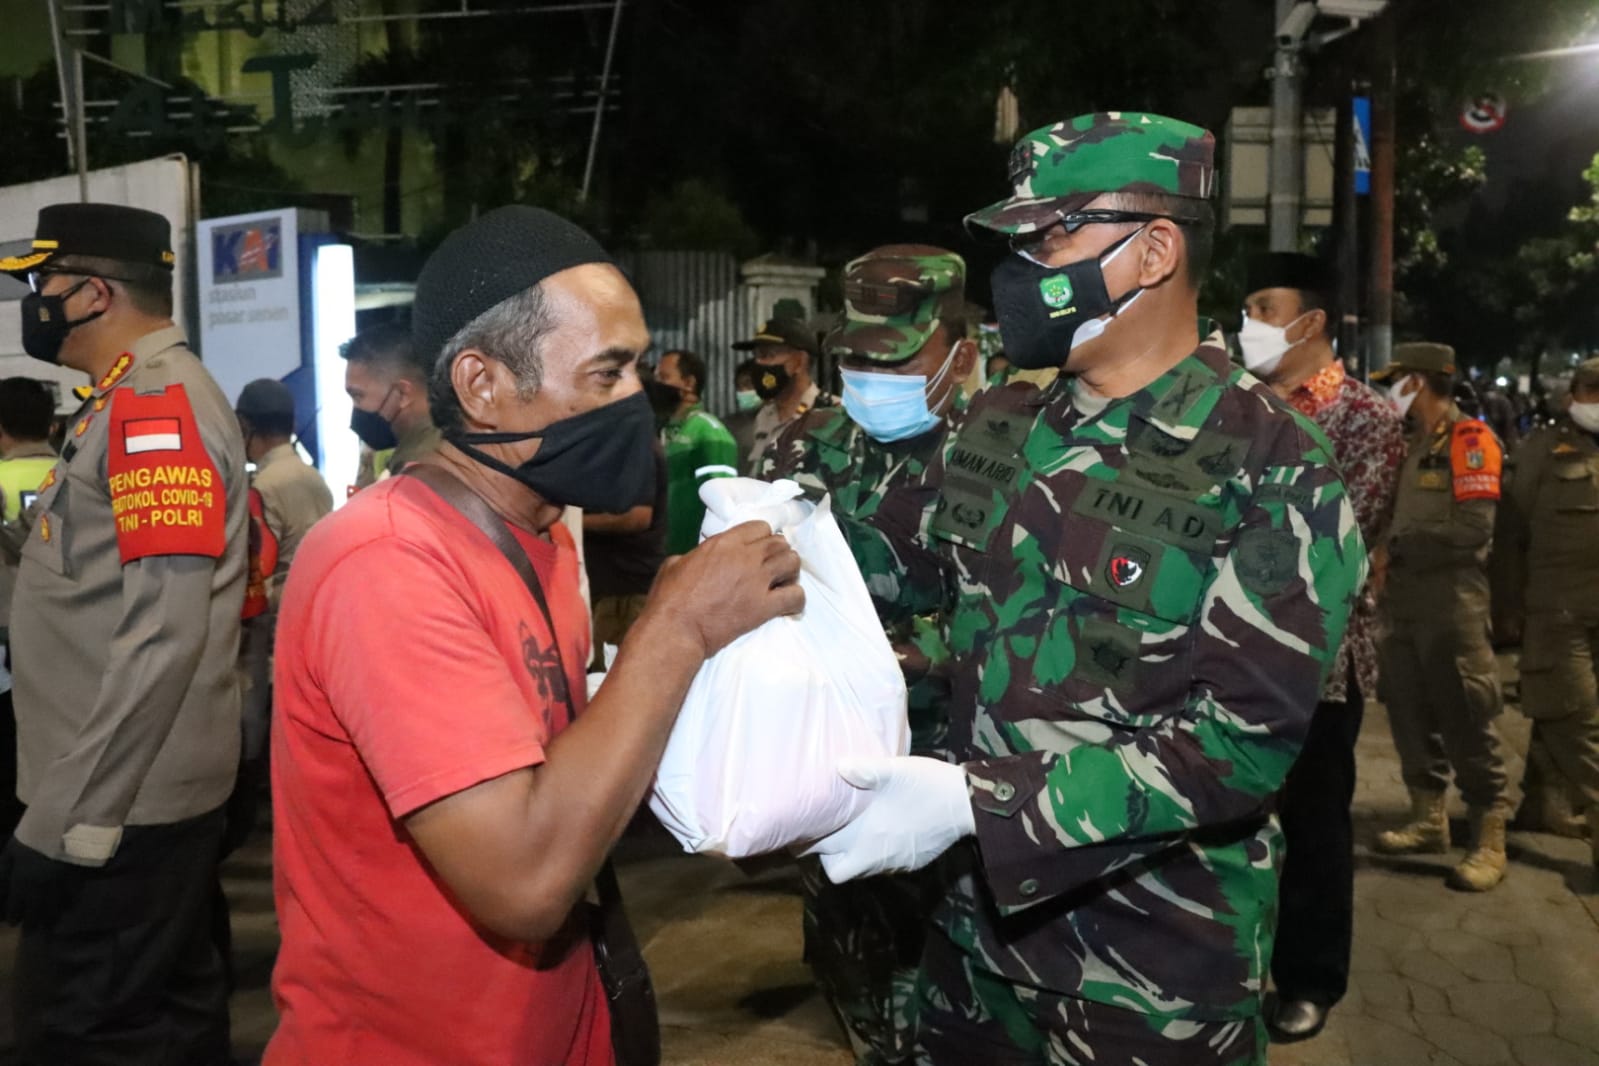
{"x":146,"y":346}
{"x":1320,"y":389}
{"x":36,"y":449}
{"x":678,"y":420}
{"x":808,"y":398}
{"x":832,"y":426}
{"x":1179,"y":401}
{"x":275,"y":454}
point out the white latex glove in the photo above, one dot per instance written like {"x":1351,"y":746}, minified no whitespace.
{"x":919,"y":808}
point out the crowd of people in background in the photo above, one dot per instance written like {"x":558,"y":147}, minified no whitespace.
{"x":1142,"y":586}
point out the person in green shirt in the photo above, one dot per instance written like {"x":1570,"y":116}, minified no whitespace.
{"x":698,"y":448}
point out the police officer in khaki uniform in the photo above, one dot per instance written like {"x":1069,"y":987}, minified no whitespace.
{"x":1551,"y":527}
{"x":1437,"y":665}
{"x":294,"y":496}
{"x":126,"y":629}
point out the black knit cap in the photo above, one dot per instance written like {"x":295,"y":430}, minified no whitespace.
{"x":489,"y":260}
{"x":1292,"y":270}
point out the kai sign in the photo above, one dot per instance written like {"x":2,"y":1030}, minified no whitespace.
{"x":249,"y":297}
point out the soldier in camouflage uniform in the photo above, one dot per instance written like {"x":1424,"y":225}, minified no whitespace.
{"x":1153,"y":564}
{"x":903,"y":349}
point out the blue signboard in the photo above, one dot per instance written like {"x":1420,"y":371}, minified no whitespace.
{"x":1363,"y":146}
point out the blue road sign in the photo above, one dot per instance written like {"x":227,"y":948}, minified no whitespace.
{"x":1363,"y":146}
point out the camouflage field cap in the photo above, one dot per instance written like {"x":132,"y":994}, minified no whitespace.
{"x":894,"y":299}
{"x":1422,"y":357}
{"x":1058,"y":169}
{"x":1587,"y":374}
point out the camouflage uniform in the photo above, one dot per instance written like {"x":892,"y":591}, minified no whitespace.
{"x":1148,"y":594}
{"x":864,"y":939}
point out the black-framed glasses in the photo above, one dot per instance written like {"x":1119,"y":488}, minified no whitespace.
{"x":1076,"y":220}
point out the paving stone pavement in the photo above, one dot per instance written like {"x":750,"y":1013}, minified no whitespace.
{"x":1440,"y":978}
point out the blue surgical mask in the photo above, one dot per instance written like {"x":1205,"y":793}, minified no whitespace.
{"x":891,"y":407}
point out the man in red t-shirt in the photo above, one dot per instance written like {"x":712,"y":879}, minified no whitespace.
{"x":443,"y":799}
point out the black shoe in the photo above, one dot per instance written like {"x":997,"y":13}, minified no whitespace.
{"x":1296,"y":1020}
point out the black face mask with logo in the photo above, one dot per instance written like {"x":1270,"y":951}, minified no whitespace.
{"x":770,"y":381}
{"x":1044,"y":312}
{"x":599,"y":460}
{"x":45,"y":324}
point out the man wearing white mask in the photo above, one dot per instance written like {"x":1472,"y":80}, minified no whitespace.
{"x":1551,"y":525}
{"x":904,"y":352}
{"x":1286,"y":342}
{"x":1439,"y":679}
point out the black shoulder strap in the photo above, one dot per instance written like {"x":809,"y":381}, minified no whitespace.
{"x":472,"y":508}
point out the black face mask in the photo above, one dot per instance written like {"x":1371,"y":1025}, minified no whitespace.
{"x":373,"y":429}
{"x":45,"y":324}
{"x":770,"y":381}
{"x":1042,"y":309}
{"x":598,"y":460}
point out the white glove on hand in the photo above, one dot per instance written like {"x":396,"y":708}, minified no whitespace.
{"x":919,"y":808}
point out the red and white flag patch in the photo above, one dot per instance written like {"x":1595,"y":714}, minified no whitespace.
{"x":140,"y":435}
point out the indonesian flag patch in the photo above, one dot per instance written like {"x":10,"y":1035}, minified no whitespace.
{"x":166,"y":495}
{"x":142,"y":435}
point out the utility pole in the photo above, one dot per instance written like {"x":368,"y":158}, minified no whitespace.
{"x":1287,"y":151}
{"x":1346,"y":229}
{"x":599,"y":106}
{"x":1384,"y":144}
{"x":69,"y":75}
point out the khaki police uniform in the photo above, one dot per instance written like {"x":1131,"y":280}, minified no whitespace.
{"x":1437,"y":665}
{"x":295,"y":498}
{"x":127,"y":705}
{"x":1552,"y":530}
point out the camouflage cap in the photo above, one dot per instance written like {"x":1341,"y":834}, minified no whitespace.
{"x":1418,"y":356}
{"x":1057,"y":169}
{"x":1587,"y":374}
{"x":894,"y":299}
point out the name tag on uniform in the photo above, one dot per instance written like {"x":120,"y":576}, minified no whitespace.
{"x":982,"y":471}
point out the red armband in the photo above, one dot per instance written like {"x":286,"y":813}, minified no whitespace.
{"x":166,"y":494}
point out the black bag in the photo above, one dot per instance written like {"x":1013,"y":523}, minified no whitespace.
{"x":629,"y":993}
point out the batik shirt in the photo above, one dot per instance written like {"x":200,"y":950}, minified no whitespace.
{"x":1368,"y":441}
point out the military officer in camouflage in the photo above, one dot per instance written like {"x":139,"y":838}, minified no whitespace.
{"x":1437,"y":675}
{"x":903,"y":351}
{"x":1153,"y":564}
{"x":1551,"y":526}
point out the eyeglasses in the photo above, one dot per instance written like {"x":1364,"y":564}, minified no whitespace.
{"x":1076,"y":220}
{"x":37,"y":279}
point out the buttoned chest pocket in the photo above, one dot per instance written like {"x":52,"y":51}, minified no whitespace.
{"x":1574,"y":486}
{"x":1124,"y":600}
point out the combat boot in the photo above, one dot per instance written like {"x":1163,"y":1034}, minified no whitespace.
{"x":1427,"y":832}
{"x":1484,"y":866}
{"x":1549,"y":810}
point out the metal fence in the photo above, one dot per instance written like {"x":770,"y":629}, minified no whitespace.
{"x":694,"y":300}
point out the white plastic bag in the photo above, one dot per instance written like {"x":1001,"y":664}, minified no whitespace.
{"x":750,"y":765}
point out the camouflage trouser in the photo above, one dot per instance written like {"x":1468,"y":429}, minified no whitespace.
{"x":863,"y":941}
{"x":968,"y":1015}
